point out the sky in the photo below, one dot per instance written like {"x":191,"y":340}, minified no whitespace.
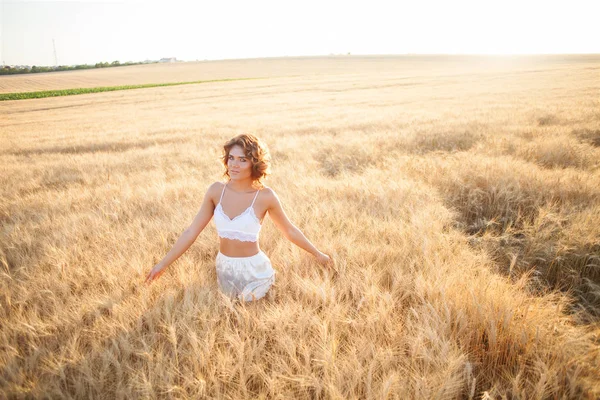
{"x":87,"y":32}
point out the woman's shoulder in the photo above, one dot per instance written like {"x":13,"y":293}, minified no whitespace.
{"x":219,"y":184}
{"x":267,"y":191}
{"x":215,"y":187}
{"x":269,"y":195}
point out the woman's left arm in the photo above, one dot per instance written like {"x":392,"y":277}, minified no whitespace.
{"x":289,"y":230}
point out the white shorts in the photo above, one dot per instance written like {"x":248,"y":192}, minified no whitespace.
{"x":247,"y":278}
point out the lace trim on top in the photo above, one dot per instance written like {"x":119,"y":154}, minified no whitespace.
{"x":237,"y":235}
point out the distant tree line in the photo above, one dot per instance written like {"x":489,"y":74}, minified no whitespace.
{"x":8,"y":70}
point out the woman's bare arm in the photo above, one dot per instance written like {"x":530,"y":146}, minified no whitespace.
{"x":289,"y":230}
{"x":188,"y":237}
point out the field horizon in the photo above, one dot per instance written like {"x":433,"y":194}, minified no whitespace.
{"x":266,"y":67}
{"x":459,"y":196}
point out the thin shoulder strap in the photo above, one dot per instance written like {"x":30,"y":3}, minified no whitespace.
{"x":222,"y":192}
{"x":254,"y":198}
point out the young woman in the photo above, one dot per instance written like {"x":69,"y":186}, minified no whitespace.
{"x":239,"y":207}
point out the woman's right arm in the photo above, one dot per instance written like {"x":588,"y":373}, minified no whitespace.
{"x":189,"y":235}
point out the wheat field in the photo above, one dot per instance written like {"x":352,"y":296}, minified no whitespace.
{"x":459,"y":197}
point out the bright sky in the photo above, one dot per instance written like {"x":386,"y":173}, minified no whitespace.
{"x":135,"y":30}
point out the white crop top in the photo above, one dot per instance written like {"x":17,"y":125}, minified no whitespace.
{"x":244,"y":227}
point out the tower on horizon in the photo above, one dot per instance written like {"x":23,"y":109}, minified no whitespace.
{"x":55,"y":56}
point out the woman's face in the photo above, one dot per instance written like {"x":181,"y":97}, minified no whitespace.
{"x":238,"y":165}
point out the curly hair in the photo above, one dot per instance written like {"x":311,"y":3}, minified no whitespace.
{"x":256,"y":151}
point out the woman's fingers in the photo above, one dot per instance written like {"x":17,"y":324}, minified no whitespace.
{"x":332,"y":263}
{"x":326,"y":260}
{"x":151,"y":277}
{"x":154,"y":274}
{"x":148,"y":277}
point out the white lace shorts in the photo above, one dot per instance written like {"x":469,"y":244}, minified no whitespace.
{"x":247,"y":278}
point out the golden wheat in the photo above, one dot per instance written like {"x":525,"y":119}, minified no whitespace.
{"x":459,"y":196}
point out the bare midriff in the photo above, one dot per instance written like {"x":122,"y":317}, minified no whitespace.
{"x":237,"y":248}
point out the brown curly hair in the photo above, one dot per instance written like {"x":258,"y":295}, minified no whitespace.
{"x":256,"y":151}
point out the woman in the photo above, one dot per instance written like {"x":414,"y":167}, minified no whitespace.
{"x":239,"y":207}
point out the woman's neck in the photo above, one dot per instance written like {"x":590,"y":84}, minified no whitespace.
{"x":241,"y":186}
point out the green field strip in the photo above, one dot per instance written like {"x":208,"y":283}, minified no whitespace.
{"x":72,"y":92}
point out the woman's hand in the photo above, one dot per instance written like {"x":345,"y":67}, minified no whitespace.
{"x":324,"y":259}
{"x":157,"y":271}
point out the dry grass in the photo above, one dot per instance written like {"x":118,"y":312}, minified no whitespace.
{"x":460,"y":198}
